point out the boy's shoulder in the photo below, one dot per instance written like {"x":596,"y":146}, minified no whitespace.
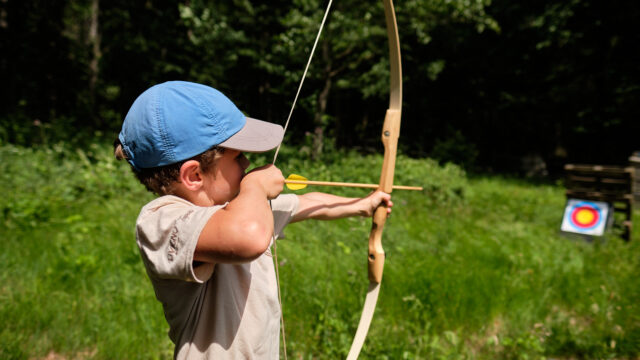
{"x":169,"y":208}
{"x":164,"y":201}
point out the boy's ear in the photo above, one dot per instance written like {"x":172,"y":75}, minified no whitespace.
{"x":191,"y":175}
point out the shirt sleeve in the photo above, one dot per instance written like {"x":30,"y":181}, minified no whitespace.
{"x":284,"y":207}
{"x":167,"y":232}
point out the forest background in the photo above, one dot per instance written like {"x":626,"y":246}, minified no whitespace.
{"x":489,"y":85}
{"x":498,"y":96}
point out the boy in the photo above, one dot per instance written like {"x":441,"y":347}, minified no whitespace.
{"x":205,"y":241}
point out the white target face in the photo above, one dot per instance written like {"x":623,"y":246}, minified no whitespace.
{"x":585,"y":217}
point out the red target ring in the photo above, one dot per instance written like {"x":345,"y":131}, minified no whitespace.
{"x":585,"y":216}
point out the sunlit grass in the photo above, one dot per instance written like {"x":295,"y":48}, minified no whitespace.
{"x":475,"y":267}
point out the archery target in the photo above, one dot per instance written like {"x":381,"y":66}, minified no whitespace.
{"x":585,"y":217}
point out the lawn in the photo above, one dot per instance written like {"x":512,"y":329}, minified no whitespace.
{"x":476,"y":267}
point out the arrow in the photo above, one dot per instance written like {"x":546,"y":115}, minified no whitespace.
{"x":297,"y":182}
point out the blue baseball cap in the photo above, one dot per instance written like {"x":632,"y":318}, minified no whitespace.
{"x":177,"y":120}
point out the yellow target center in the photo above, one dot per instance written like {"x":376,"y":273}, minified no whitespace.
{"x":584,"y":216}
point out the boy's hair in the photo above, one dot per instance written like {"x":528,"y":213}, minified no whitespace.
{"x":161,"y":180}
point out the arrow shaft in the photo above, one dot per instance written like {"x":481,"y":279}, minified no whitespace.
{"x":345,"y":184}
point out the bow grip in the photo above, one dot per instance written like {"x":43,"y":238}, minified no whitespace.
{"x":390,"y":134}
{"x":376,"y":253}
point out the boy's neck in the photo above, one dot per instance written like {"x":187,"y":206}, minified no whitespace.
{"x":198,"y":198}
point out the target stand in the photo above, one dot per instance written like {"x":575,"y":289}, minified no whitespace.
{"x":598,"y":197}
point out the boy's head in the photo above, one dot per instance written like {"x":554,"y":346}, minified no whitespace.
{"x":176,"y":121}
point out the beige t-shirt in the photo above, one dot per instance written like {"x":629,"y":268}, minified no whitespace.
{"x":221,"y":311}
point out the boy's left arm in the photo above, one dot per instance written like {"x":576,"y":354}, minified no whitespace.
{"x":322,"y":206}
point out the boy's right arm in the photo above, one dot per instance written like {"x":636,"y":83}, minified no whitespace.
{"x":242,"y":230}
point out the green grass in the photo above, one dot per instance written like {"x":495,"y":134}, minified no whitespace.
{"x":476,"y":268}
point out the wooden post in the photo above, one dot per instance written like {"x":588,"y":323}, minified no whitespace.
{"x":634,"y":161}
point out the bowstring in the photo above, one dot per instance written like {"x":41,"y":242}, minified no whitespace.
{"x":286,"y":125}
{"x":304,"y":75}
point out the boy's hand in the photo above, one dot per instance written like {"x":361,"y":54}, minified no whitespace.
{"x":375,"y":199}
{"x":268,"y":177}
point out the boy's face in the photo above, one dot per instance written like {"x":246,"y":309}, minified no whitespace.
{"x":224,"y":183}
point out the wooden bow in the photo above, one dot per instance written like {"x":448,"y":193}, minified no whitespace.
{"x":390,"y":134}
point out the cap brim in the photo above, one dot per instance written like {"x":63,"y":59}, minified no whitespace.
{"x":255,"y":136}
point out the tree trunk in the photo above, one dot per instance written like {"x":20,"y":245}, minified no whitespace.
{"x":94,"y":41}
{"x":321,"y":104}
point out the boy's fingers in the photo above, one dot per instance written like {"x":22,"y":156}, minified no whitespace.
{"x":386,"y":199}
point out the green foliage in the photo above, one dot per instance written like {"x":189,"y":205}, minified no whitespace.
{"x":455,"y":149}
{"x":494,"y":74}
{"x":72,"y":278}
{"x":475,"y":267}
{"x":52,"y":178}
